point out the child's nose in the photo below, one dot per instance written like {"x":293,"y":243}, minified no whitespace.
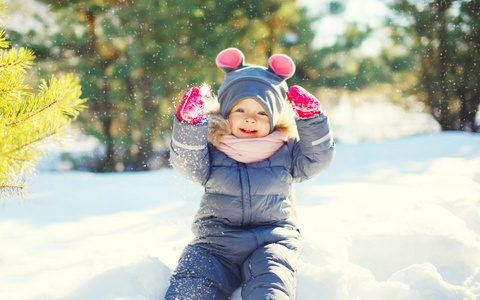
{"x":250,"y":119}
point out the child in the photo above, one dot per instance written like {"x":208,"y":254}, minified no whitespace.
{"x":246,"y":158}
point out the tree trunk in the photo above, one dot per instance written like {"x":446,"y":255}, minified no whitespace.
{"x":107,"y":164}
{"x":467,"y":112}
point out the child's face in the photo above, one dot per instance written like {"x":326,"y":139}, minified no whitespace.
{"x":248,"y":119}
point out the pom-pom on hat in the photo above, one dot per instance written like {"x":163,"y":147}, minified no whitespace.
{"x":266,"y":85}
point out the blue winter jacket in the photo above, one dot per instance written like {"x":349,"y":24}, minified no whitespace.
{"x":240,"y":199}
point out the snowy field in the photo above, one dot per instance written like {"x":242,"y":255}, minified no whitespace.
{"x":397,"y":219}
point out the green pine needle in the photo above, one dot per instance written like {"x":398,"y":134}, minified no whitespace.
{"x":28,"y":120}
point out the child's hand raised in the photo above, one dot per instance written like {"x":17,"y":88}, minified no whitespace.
{"x":304,"y":104}
{"x":192,"y":106}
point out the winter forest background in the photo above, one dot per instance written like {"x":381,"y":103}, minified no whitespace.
{"x":396,"y":217}
{"x":135,"y":58}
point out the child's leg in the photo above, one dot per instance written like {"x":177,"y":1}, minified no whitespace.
{"x":269,"y":273}
{"x":201,"y":275}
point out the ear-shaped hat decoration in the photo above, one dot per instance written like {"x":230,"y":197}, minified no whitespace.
{"x":231,"y":59}
{"x":281,"y":65}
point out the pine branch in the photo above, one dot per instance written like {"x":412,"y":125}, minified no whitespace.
{"x":27,"y":120}
{"x":3,"y":44}
{"x":39,"y":117}
{"x":17,"y":59}
{"x":33,"y":114}
{"x":12,"y":188}
{"x":25,"y":147}
{"x":12,"y":72}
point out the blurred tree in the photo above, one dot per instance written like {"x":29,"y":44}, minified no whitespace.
{"x":342,"y":66}
{"x":28,"y":120}
{"x":137,"y":57}
{"x":336,"y":7}
{"x":442,"y":38}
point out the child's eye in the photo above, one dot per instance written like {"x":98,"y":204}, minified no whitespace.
{"x":240,"y":110}
{"x":262,"y":113}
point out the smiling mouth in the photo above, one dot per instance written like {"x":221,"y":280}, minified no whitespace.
{"x":248,"y":131}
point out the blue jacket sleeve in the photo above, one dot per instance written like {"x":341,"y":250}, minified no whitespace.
{"x":189,"y":151}
{"x":314,"y":151}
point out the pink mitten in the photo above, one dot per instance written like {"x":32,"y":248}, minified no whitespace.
{"x":304,"y":104}
{"x":191,"y":108}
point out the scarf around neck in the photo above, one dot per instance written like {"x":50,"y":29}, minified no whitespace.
{"x":251,"y":150}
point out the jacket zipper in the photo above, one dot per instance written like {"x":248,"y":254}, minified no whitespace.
{"x":246,"y":197}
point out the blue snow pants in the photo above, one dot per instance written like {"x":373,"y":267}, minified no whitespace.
{"x":265,"y":272}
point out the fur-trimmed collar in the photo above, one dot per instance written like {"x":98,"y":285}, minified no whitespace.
{"x":219,"y":127}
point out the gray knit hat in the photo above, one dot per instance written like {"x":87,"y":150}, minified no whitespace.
{"x":266,"y":85}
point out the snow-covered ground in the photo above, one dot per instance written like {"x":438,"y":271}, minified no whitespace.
{"x":397,"y":219}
